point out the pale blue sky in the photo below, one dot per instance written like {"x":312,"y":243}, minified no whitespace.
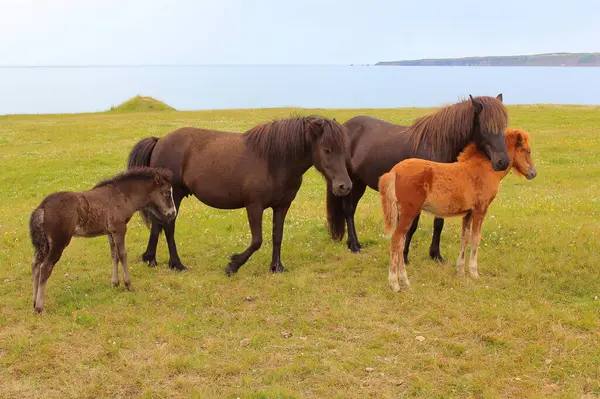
{"x":83,"y":32}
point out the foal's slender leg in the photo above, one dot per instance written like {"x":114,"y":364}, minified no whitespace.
{"x":434,"y":249}
{"x":36,"y":264}
{"x":409,"y":235}
{"x":349,"y":204}
{"x":475,"y":239}
{"x":466,"y":235}
{"x":278,"y":222}
{"x":397,"y":267}
{"x":54,"y":254}
{"x":255,"y":220}
{"x":119,"y":238}
{"x":150,"y":254}
{"x":115,"y":261}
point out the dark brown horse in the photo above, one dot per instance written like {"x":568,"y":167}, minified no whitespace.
{"x":376,"y":146}
{"x":259,"y":169}
{"x":103,"y":210}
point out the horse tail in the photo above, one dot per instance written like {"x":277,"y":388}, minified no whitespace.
{"x":140,"y":156}
{"x":335,"y":215}
{"x":389,"y":203}
{"x":39,"y":240}
{"x":141,"y":152}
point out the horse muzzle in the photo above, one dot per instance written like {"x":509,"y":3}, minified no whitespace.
{"x":531,"y":173}
{"x":342,"y":189}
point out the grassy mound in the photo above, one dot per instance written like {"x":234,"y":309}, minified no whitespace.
{"x":141,"y":104}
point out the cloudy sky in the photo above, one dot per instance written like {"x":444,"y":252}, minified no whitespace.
{"x":84,"y":32}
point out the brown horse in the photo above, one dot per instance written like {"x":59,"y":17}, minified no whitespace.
{"x":103,"y":210}
{"x":376,"y":146}
{"x":259,"y":169}
{"x":465,"y":188}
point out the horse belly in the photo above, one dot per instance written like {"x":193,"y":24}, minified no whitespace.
{"x":444,"y":209}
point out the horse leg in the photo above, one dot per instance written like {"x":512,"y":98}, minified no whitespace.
{"x":121,"y":252}
{"x":174,"y":261}
{"x":255,"y":220}
{"x":409,"y":235}
{"x":115,"y":261}
{"x":434,"y":249}
{"x":397,"y":271}
{"x":475,"y":239}
{"x":150,"y":255}
{"x":278,"y":222}
{"x":466,"y":233}
{"x":349,"y":204}
{"x":36,"y":263}
{"x":53,"y":256}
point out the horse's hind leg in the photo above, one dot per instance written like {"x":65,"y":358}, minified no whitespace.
{"x":150,"y":255}
{"x":434,"y":249}
{"x":466,"y":233}
{"x":278,"y":222}
{"x":36,"y":264}
{"x":53,"y":256}
{"x":255,"y":221}
{"x":409,"y":235}
{"x":397,"y":271}
{"x":349,"y":204}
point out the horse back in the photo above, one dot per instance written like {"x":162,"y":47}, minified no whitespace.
{"x":375,"y":147}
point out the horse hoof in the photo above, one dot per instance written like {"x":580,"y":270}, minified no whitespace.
{"x":150,"y":260}
{"x":115,"y":283}
{"x":355,"y":247}
{"x":39,"y":310}
{"x":129,"y":287}
{"x":437,"y":258}
{"x":278,"y":269}
{"x":177,"y":266}
{"x":406,"y":261}
{"x":230,"y":271}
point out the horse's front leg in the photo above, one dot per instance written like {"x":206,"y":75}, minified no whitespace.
{"x":255,"y":220}
{"x":119,"y":238}
{"x":115,"y":261}
{"x":475,"y":239}
{"x":278,"y":222}
{"x":434,"y":249}
{"x":466,"y":234}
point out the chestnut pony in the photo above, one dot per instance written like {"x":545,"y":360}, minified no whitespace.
{"x":376,"y":146}
{"x":465,"y":188}
{"x":103,"y":210}
{"x":259,"y":169}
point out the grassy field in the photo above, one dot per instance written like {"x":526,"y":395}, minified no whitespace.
{"x":529,"y":327}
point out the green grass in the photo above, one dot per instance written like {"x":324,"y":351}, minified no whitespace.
{"x":141,"y":104}
{"x":529,"y":327}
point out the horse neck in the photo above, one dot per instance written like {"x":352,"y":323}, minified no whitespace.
{"x":482,"y":166}
{"x":136,"y":192}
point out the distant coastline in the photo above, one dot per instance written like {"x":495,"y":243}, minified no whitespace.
{"x":536,"y":60}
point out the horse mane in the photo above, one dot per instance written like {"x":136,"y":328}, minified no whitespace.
{"x":451,"y":127}
{"x":471,"y":151}
{"x":136,"y":174}
{"x":288,"y":138}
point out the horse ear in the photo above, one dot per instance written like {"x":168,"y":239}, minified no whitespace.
{"x":163,"y":174}
{"x":315,"y":127}
{"x":499,"y":97}
{"x":520,"y":139}
{"x":478,"y":105}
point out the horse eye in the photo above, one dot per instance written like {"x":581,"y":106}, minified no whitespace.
{"x":327,"y":151}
